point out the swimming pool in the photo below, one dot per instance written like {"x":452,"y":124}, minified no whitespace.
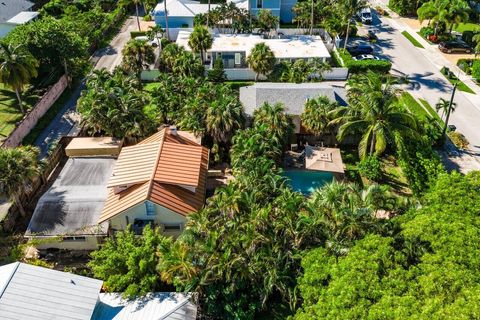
{"x":305,"y":181}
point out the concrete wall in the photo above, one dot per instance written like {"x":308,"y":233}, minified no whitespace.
{"x":162,"y":216}
{"x":31,"y":119}
{"x":90,"y":243}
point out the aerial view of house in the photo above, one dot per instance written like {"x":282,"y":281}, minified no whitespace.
{"x":239,"y":159}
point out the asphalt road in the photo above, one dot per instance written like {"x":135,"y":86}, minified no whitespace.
{"x":66,"y":120}
{"x":426,"y":81}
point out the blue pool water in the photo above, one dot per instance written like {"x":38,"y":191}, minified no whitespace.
{"x":305,"y":181}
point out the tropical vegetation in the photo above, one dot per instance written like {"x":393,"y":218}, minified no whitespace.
{"x":261,"y":60}
{"x":137,"y":55}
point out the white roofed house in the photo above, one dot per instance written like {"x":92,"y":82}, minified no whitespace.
{"x":234,"y":49}
{"x":30,"y":292}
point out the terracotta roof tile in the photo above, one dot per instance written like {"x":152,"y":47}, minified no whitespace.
{"x":118,"y":203}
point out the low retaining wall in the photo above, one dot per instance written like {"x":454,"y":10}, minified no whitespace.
{"x":30,"y":120}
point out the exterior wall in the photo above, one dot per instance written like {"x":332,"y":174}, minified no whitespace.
{"x":274,"y":5}
{"x":90,"y":243}
{"x":174,"y":22}
{"x":286,"y":13}
{"x":31,"y":119}
{"x":247,"y":74}
{"x":162,"y":216}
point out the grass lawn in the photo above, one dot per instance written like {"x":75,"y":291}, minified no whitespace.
{"x":467,"y":27}
{"x":412,"y":39}
{"x":9,"y":111}
{"x":461,"y":86}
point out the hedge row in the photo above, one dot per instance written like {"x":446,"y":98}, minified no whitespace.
{"x":354,"y":66}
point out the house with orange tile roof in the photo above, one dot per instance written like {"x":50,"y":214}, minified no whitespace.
{"x":158,"y":181}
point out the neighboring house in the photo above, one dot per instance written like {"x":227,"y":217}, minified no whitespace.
{"x":291,"y":95}
{"x":158,"y":181}
{"x":180,"y":13}
{"x":30,"y":293}
{"x":14,"y":13}
{"x":280,"y":8}
{"x":66,"y":216}
{"x":234,"y":50}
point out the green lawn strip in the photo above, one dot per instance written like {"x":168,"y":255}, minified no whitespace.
{"x":414,"y":107}
{"x":48,"y":116}
{"x":412,"y":39}
{"x":461,"y":86}
{"x":461,"y":27}
{"x":9,"y":111}
{"x":432,"y":112}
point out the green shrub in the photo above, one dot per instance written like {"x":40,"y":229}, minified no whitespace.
{"x":370,"y":168}
{"x":134,"y":34}
{"x":354,"y":66}
{"x":458,"y":140}
{"x":465,"y":65}
{"x":476,"y":69}
{"x":217,"y":74}
{"x":467,"y":36}
{"x":426,"y":31}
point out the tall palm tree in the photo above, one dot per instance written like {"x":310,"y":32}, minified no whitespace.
{"x":224,"y":116}
{"x":17,"y":67}
{"x":350,"y":8}
{"x":165,"y":12}
{"x":317,"y":114}
{"x":17,"y":166}
{"x":200,"y":41}
{"x":457,"y":11}
{"x":374,"y":113}
{"x":444,"y":105}
{"x":136,"y":3}
{"x":261,"y":59}
{"x":137,"y":55}
{"x":276,"y":121}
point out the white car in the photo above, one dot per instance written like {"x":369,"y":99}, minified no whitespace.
{"x":154,"y":43}
{"x":366,"y":57}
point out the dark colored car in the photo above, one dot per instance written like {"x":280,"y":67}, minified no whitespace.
{"x":454,"y":46}
{"x":359,"y":49}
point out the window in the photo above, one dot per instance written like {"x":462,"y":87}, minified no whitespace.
{"x":150,"y":208}
{"x":238,"y":58}
{"x":76,"y":239}
{"x":259,"y":4}
{"x":172,"y":227}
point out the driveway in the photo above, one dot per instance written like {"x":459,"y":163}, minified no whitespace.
{"x":426,"y":81}
{"x":67,"y":119}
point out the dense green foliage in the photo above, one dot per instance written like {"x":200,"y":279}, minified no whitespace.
{"x":476,"y":69}
{"x":137,"y":55}
{"x":17,"y":167}
{"x":427,"y":268}
{"x":362,"y":66}
{"x":405,"y":7}
{"x":113,"y":104}
{"x":299,"y":71}
{"x":448,"y":13}
{"x":217,"y":73}
{"x":261,"y":59}
{"x":176,"y":59}
{"x":316,"y":115}
{"x":127,"y":263}
{"x":370,"y":168}
{"x":200,"y":41}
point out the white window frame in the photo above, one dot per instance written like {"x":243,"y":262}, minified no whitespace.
{"x":150,"y":209}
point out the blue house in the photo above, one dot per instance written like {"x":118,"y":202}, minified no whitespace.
{"x":182,"y":12}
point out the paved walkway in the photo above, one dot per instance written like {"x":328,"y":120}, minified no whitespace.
{"x":66,"y":121}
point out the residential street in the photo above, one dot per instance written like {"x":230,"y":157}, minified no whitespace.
{"x":66,"y":119}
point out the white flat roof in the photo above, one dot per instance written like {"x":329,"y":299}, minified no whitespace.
{"x":24,"y":17}
{"x":292,"y":47}
{"x":183,"y":8}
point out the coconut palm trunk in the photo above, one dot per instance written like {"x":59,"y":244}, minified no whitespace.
{"x":19,"y":98}
{"x":346,"y":35}
{"x":166,"y":18}
{"x":372,"y":144}
{"x":138,"y":18}
{"x":208,"y":14}
{"x":16,"y":198}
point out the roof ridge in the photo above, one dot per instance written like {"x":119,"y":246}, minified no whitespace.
{"x":2,"y":290}
{"x":152,"y":177}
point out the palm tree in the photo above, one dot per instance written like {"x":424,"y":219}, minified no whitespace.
{"x":17,"y":67}
{"x":17,"y":166}
{"x":156,"y":32}
{"x":374,"y":113}
{"x":137,"y":55}
{"x":350,"y":8}
{"x":317,"y":114}
{"x":457,"y":11}
{"x":444,"y":105}
{"x":275,"y":120}
{"x":200,"y":41}
{"x":224,"y":116}
{"x":261,"y":59}
{"x":427,"y":11}
{"x":136,"y":3}
{"x":165,"y":12}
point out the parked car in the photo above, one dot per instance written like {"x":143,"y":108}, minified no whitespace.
{"x":359,"y":49}
{"x":154,"y":43}
{"x":454,"y":46}
{"x":365,"y":16}
{"x":366,"y":57}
